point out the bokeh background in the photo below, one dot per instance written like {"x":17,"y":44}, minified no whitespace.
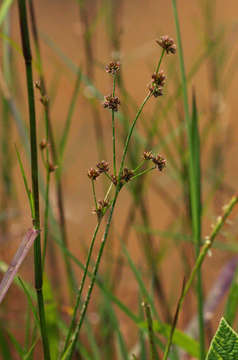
{"x":88,"y":34}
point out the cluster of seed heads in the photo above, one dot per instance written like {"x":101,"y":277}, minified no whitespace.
{"x":113,"y":67}
{"x":101,"y":167}
{"x":158,"y":160}
{"x":111,"y":102}
{"x":157,"y":83}
{"x":167,"y":44}
{"x":102,"y":206}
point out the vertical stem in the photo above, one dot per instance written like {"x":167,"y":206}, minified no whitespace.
{"x":34,"y":172}
{"x":113,"y":129}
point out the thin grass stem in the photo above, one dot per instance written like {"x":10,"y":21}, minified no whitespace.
{"x":113,"y":130}
{"x":34,"y":173}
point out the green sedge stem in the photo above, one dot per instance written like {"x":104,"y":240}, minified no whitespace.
{"x":160,"y":60}
{"x":79,"y":294}
{"x":34,"y":173}
{"x":113,"y":130}
{"x":143,"y":172}
{"x":94,"y":195}
{"x":139,"y":166}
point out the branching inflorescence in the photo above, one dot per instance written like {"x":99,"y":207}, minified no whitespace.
{"x":112,"y":102}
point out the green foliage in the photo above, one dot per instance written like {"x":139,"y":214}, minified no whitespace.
{"x":224,"y":344}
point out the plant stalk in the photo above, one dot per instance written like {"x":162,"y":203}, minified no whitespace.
{"x":34,"y":173}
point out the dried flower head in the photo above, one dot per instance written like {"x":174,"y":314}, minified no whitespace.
{"x":159,"y":161}
{"x":38,"y":85}
{"x":102,"y":206}
{"x":52,"y":167}
{"x":93,"y":174}
{"x":43,"y":144}
{"x":157,"y":83}
{"x":114,"y":179}
{"x":111,"y":102}
{"x":127,"y":174}
{"x":147,"y":155}
{"x":44,"y":100}
{"x":103,"y":166}
{"x":159,"y":79}
{"x":113,"y":67}
{"x":167,"y":44}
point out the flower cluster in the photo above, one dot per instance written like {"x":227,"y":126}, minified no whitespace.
{"x":158,"y":160}
{"x":103,"y":166}
{"x":113,"y":67}
{"x":111,"y":102}
{"x":167,"y":44}
{"x":126,"y":176}
{"x":157,"y":83}
{"x":101,"y":208}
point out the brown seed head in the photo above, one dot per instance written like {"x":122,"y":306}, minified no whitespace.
{"x":113,"y":67}
{"x":44,"y":100}
{"x":111,"y":102}
{"x":159,"y":79}
{"x":93,"y":174}
{"x":114,"y":179}
{"x":43,"y":144}
{"x":102,"y":206}
{"x":167,"y":44}
{"x":52,"y":167}
{"x":159,"y":161}
{"x":103,"y":166}
{"x":127,"y":174}
{"x":155,"y":90}
{"x":147,"y":155}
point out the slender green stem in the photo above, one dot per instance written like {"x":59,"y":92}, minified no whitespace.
{"x":79,"y":294}
{"x":131,"y":132}
{"x":154,"y":355}
{"x":34,"y":173}
{"x":94,"y":275}
{"x":143,"y":172}
{"x":204,"y":250}
{"x":113,"y":130}
{"x":192,"y":182}
{"x":160,"y":61}
{"x":139,"y":166}
{"x":94,"y":195}
{"x":46,"y":212}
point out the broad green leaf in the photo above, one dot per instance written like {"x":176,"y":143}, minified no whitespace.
{"x":224,"y":345}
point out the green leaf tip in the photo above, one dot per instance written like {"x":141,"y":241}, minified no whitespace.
{"x":224,"y":345}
